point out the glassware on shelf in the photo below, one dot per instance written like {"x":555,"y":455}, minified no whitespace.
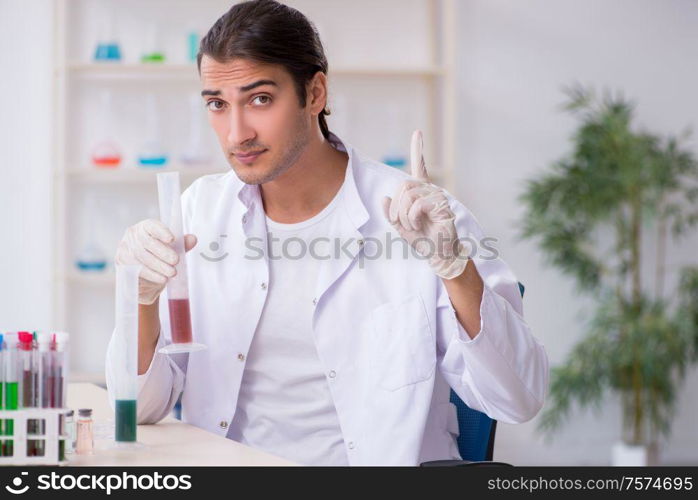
{"x":152,"y":152}
{"x":90,"y":258}
{"x":108,"y":52}
{"x":192,"y":45}
{"x":196,"y":152}
{"x":106,"y":152}
{"x":153,"y":52}
{"x":395,"y":160}
{"x":108,"y":49}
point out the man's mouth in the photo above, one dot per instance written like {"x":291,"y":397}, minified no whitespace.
{"x":249,"y":158}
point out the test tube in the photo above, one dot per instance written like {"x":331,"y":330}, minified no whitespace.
{"x":126,"y":349}
{"x":177,"y":286}
{"x":57,"y":381}
{"x":43,"y":392}
{"x":70,"y":430}
{"x":59,"y":368}
{"x":10,"y":387}
{"x":28,"y":385}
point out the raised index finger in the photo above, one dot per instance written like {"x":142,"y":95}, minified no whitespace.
{"x":418,"y":167}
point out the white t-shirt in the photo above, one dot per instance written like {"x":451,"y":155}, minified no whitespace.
{"x":284,"y":406}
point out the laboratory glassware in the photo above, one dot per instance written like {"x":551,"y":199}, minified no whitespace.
{"x":152,"y":152}
{"x":177,"y":286}
{"x":85,"y":439}
{"x":106,"y":152}
{"x":126,"y":349}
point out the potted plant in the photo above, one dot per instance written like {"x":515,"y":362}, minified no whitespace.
{"x":596,"y":214}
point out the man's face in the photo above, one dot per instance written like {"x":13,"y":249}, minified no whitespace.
{"x":256,"y":114}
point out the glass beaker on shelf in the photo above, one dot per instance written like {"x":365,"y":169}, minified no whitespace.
{"x":106,"y":152}
{"x":91,"y":257}
{"x":108,"y":49}
{"x":153,"y":52}
{"x":152,"y":152}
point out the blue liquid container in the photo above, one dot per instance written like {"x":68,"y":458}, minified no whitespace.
{"x":91,"y":259}
{"x":91,"y":266}
{"x":152,"y":161}
{"x":108,"y":52}
{"x":193,"y":45}
{"x":395,"y":161}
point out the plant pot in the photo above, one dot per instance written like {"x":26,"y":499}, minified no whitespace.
{"x":626,"y":455}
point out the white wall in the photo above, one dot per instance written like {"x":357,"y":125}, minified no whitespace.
{"x":25,"y":163}
{"x":514,"y":57}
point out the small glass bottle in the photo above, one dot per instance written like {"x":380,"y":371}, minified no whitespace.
{"x":85,"y":438}
{"x":70,"y":432}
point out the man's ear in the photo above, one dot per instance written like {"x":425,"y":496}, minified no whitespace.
{"x":316,"y":91}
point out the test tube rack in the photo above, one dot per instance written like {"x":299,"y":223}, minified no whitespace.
{"x":51,"y":437}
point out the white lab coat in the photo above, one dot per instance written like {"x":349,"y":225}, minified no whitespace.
{"x":385,"y":330}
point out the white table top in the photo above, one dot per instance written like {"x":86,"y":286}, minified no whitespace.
{"x":169,"y":442}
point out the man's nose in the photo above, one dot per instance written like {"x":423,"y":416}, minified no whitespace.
{"x":239,"y":131}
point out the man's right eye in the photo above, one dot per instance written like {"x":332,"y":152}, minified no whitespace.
{"x":214,"y":105}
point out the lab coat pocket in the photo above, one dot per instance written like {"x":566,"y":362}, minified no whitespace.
{"x":402,"y":347}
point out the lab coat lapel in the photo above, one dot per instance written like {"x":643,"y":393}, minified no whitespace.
{"x":255,"y":274}
{"x":345,"y":236}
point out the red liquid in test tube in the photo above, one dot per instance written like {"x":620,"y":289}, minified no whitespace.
{"x":177,"y":286}
{"x":180,"y":321}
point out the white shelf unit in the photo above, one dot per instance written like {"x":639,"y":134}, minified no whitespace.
{"x":132,"y":175}
{"x":83,"y":302}
{"x":145,"y":71}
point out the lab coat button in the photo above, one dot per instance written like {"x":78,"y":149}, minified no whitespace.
{"x":241,"y":357}
{"x":223,"y":424}
{"x":361,"y":243}
{"x":350,"y":444}
{"x":244,"y":219}
{"x":315,"y":301}
{"x":264,"y":286}
{"x":333,"y":374}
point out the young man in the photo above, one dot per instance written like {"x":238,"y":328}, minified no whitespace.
{"x":330,"y":340}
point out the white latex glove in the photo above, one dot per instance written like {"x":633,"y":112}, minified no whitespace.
{"x":148,"y":244}
{"x":419,"y":211}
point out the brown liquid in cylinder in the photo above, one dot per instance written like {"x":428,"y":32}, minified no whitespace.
{"x":180,"y":321}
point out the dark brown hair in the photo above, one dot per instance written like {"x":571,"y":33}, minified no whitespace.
{"x":267,"y":31}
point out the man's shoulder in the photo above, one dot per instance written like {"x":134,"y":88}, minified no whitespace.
{"x":374,"y":175}
{"x":211,"y":182}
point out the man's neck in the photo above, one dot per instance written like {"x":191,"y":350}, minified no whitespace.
{"x":308,"y":186}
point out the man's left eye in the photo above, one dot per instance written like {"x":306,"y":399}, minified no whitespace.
{"x":262,"y":99}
